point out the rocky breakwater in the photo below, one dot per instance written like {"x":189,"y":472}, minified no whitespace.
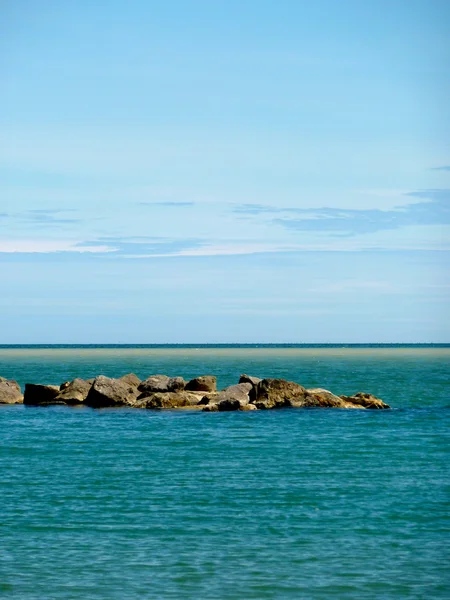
{"x":200,"y":393}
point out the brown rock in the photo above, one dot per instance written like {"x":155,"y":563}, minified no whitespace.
{"x":211,"y":408}
{"x":277,"y":393}
{"x":10,"y":392}
{"x":41,"y":395}
{"x":154,"y":383}
{"x":162,"y":383}
{"x":325,"y":399}
{"x":248,"y":379}
{"x":176,"y":384}
{"x":229,"y":405}
{"x":106,"y":391}
{"x":167,"y":400}
{"x":231,"y":398}
{"x":206,"y":383}
{"x":239,"y":392}
{"x":75,"y":392}
{"x":364,"y":400}
{"x":195,"y":397}
{"x":131,"y":379}
{"x":208,"y":398}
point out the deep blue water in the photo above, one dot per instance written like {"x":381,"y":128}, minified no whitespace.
{"x":131,"y":504}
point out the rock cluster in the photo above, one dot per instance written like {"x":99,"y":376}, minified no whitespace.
{"x":163,"y":392}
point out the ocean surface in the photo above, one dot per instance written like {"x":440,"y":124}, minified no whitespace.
{"x":314,"y":503}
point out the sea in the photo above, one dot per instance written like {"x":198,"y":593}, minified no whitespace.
{"x":132,"y":504}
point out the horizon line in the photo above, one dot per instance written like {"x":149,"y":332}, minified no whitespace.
{"x":218,"y":344}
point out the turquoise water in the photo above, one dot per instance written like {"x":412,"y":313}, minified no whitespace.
{"x":130,"y":504}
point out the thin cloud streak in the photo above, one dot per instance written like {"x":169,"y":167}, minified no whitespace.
{"x":143,"y":246}
{"x":435,"y":210}
{"x":42,"y":216}
{"x":171,"y":204}
{"x":21,"y":246}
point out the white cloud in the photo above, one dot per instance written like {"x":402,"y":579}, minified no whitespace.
{"x":46,"y":246}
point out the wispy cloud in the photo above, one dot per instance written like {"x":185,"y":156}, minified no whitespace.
{"x":142,"y":246}
{"x":174,"y":204}
{"x":107,"y":246}
{"x":444,"y":168}
{"x":434,"y":210}
{"x":39,"y":247}
{"x":257,"y":209}
{"x":43,"y":216}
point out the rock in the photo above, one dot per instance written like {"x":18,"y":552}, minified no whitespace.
{"x":64,"y":385}
{"x":75,"y":392}
{"x":154,"y":383}
{"x":167,"y":400}
{"x":364,"y":400}
{"x":208,"y":398}
{"x":10,"y":392}
{"x":41,"y":395}
{"x":233,"y":393}
{"x":195,"y":397}
{"x":229,"y":405}
{"x":176,"y":384}
{"x":325,"y":399}
{"x":239,"y":392}
{"x":162,"y":383}
{"x":248,"y":379}
{"x":206,"y":383}
{"x":277,"y":393}
{"x":131,"y":379}
{"x":106,"y":391}
{"x":211,"y":408}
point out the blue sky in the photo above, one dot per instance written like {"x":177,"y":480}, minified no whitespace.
{"x":224,"y":171}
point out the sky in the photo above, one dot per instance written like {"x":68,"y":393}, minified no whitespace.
{"x":224,"y":171}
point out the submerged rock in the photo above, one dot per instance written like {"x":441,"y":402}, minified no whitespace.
{"x":106,"y":391}
{"x":41,"y":395}
{"x":206,"y":383}
{"x":10,"y":392}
